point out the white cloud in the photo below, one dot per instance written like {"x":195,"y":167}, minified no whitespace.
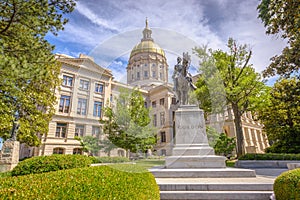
{"x":93,"y":17}
{"x":110,"y":28}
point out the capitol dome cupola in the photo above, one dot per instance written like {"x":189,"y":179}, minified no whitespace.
{"x":147,"y":63}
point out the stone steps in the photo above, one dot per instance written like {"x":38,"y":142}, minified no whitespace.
{"x":215,"y":195}
{"x":215,"y":187}
{"x":259,"y":188}
{"x":202,"y":173}
{"x":215,"y":183}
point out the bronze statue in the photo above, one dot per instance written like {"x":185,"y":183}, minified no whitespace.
{"x":182,"y":79}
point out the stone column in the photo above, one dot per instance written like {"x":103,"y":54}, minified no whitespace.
{"x":9,"y":156}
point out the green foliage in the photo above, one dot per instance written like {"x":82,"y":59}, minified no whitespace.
{"x":90,"y":144}
{"x":111,"y":159}
{"x":281,"y":117}
{"x":228,"y":80}
{"x":212,"y":136}
{"x":270,"y":156}
{"x":224,"y":145}
{"x":101,"y":182}
{"x":28,"y":69}
{"x":282,"y":17}
{"x":287,"y":185}
{"x":128,"y":124}
{"x":41,"y":164}
{"x":230,"y":163}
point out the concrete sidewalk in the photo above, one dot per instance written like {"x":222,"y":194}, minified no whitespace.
{"x":269,"y":172}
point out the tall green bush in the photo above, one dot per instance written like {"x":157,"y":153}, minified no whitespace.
{"x":55,"y":162}
{"x":287,"y":185}
{"x":101,"y":182}
{"x":224,"y":145}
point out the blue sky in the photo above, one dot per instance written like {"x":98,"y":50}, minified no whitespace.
{"x":109,"y":29}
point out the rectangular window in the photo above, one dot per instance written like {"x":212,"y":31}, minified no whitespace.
{"x":81,"y":107}
{"x":154,"y":120}
{"x":138,"y":75}
{"x":174,"y":101}
{"x":83,"y":84}
{"x":145,"y":73}
{"x":61,"y":130}
{"x":162,"y":102}
{"x":95,"y":131}
{"x":153,"y":104}
{"x":79,"y":131}
{"x":64,"y":104}
{"x":163,"y":136}
{"x":162,"y":118}
{"x":99,"y":88}
{"x":67,"y":81}
{"x":58,"y":151}
{"x":97,"y":108}
{"x":160,"y":76}
{"x":153,"y":74}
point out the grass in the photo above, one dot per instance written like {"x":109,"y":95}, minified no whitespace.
{"x":148,"y":163}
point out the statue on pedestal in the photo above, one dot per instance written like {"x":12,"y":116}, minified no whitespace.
{"x":182,"y":79}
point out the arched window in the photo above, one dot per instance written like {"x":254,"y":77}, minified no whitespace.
{"x":77,"y":151}
{"x":58,"y":150}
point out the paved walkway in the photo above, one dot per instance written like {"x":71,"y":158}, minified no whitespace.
{"x":269,"y":172}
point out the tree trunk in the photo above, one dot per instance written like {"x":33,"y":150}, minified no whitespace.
{"x":238,"y":130}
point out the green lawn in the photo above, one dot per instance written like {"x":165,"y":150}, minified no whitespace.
{"x":148,"y":163}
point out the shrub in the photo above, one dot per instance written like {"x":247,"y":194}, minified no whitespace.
{"x":270,"y":156}
{"x":224,"y":145}
{"x":102,"y":182}
{"x":110,"y":159}
{"x":287,"y":185}
{"x":41,"y":164}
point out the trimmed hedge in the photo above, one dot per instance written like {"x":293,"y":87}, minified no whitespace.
{"x":287,"y":185}
{"x":110,"y":159}
{"x":102,"y":182}
{"x":270,"y":156}
{"x":55,"y":162}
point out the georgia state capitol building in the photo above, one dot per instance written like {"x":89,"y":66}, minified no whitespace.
{"x":86,"y":87}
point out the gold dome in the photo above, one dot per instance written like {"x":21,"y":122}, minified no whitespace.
{"x":147,"y":46}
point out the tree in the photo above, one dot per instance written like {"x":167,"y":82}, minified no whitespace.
{"x":28,"y":69}
{"x":90,"y":144}
{"x":128,"y":124}
{"x":212,"y":136}
{"x":282,"y":17}
{"x":281,"y":118}
{"x":228,"y":79}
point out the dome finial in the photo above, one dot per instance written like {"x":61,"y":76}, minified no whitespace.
{"x":147,"y":32}
{"x":147,"y":23}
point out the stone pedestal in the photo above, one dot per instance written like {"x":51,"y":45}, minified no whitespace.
{"x":9,"y":156}
{"x":191,"y":148}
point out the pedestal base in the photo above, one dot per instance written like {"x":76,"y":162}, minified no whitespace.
{"x":190,"y":162}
